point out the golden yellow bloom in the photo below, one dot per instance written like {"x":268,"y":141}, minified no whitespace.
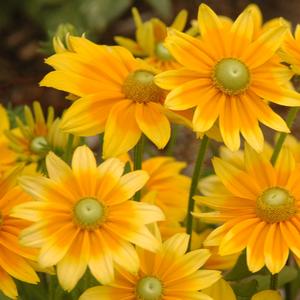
{"x":150,"y":37}
{"x":226,"y":76}
{"x":168,"y":274}
{"x":221,"y":290}
{"x":267,"y":295}
{"x":7,"y":157}
{"x":13,"y":257}
{"x":260,"y":210}
{"x":215,"y":261}
{"x":166,"y":186}
{"x":118,"y":96}
{"x":83,"y":217}
{"x":291,"y":50}
{"x":35,"y":137}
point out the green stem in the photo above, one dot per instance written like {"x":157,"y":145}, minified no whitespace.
{"x":137,"y":161}
{"x":193,"y":188}
{"x":68,"y":153}
{"x":274,"y":281}
{"x":289,"y":122}
{"x":173,"y":139}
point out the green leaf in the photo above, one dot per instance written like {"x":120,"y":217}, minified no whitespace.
{"x":163,"y":7}
{"x":246,"y":288}
{"x":240,"y":270}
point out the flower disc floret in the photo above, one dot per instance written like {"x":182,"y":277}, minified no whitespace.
{"x":89,"y":213}
{"x":139,"y":86}
{"x":275,"y":205}
{"x":162,"y":52}
{"x":39,"y":145}
{"x":149,"y":288}
{"x":231,"y":76}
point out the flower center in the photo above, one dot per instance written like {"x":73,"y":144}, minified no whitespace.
{"x":231,"y":76}
{"x":89,"y":213}
{"x":162,"y":52}
{"x":275,"y":204}
{"x":149,"y":288}
{"x":39,"y":145}
{"x":139,"y":86}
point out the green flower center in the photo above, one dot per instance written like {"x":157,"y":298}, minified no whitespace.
{"x":39,"y":145}
{"x":162,"y":52}
{"x":231,"y":76}
{"x":139,"y":86}
{"x":149,"y":288}
{"x":275,"y":204}
{"x":89,"y":213}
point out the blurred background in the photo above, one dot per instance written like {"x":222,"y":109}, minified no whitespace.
{"x":27,"y":28}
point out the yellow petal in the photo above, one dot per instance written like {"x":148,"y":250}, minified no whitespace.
{"x":267,"y":295}
{"x":180,"y":20}
{"x":220,"y":290}
{"x":153,"y":123}
{"x":121,"y":130}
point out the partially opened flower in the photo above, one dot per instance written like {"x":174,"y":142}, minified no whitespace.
{"x":83,"y":217}
{"x":36,"y":136}
{"x":118,"y":96}
{"x":260,"y":210}
{"x":14,"y":258}
{"x":171,"y":273}
{"x":150,"y":36}
{"x":226,"y":77}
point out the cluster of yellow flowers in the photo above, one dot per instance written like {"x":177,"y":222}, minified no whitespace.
{"x":127,"y":221}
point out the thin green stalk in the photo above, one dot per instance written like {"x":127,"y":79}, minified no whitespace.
{"x":68,"y":153}
{"x":137,"y":162}
{"x":172,"y":141}
{"x":193,"y":187}
{"x":274,"y":281}
{"x":289,"y":121}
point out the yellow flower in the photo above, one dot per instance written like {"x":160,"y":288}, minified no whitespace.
{"x":221,"y":290}
{"x":83,"y":217}
{"x":267,"y":295}
{"x":34,"y":138}
{"x":291,"y":50}
{"x":14,"y":258}
{"x":168,"y":274}
{"x":260,"y":210}
{"x":7,"y":157}
{"x":226,"y":76}
{"x":215,"y":261}
{"x":118,"y":96}
{"x":168,"y":187}
{"x":150,"y":37}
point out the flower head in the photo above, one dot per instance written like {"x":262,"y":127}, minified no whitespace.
{"x":169,"y":273}
{"x":36,"y":136}
{"x":226,"y":77}
{"x":150,"y":37}
{"x":83,"y":217}
{"x":260,"y":210}
{"x":14,"y":258}
{"x":118,"y":96}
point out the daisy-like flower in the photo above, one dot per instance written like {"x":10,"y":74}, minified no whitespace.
{"x":14,"y":258}
{"x":7,"y":157}
{"x":260,"y":210}
{"x":166,"y":186}
{"x":83,"y":217}
{"x":168,"y":274}
{"x":36,"y":136}
{"x":150,"y":37}
{"x":291,"y":50}
{"x":226,"y":77}
{"x":118,"y":96}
